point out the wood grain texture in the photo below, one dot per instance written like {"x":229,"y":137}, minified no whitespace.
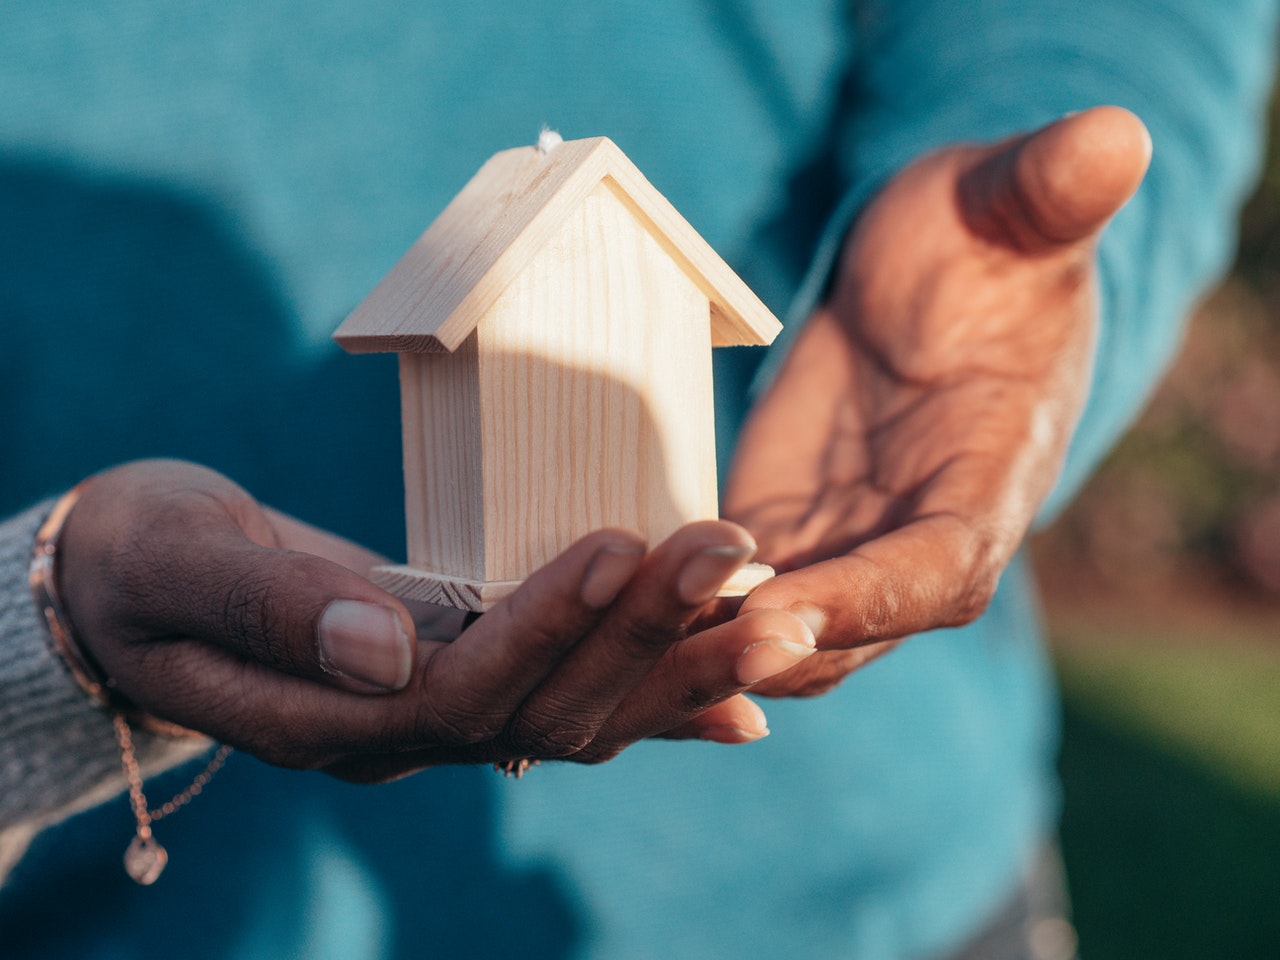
{"x":460,"y":593}
{"x":595,"y":387}
{"x":444,"y":488}
{"x":479,"y":595}
{"x":449,"y":279}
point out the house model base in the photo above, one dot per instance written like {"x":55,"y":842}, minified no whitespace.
{"x":410,"y":583}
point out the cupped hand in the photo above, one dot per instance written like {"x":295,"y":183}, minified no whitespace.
{"x":213,"y":612}
{"x":899,"y":458}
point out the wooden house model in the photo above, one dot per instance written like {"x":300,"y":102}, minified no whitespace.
{"x":554,"y":326}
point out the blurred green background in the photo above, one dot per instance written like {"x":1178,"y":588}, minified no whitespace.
{"x":1162,"y":587}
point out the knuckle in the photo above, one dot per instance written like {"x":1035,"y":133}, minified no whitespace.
{"x":687,"y":694}
{"x":691,"y":698}
{"x":974,"y":600}
{"x":453,"y":724}
{"x":246,"y":616}
{"x":261,"y":615}
{"x":446,"y":714}
{"x":977,"y":588}
{"x":645,"y":638}
{"x":544,"y":734}
{"x":881,"y":612}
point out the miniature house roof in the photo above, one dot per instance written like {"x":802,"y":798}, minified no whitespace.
{"x":436,"y":294}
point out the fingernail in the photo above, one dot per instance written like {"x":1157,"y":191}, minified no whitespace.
{"x":608,"y":572}
{"x":706,"y":570}
{"x":732,"y":735}
{"x":365,"y":642}
{"x":753,"y":726}
{"x":811,"y":617}
{"x":770,"y":657}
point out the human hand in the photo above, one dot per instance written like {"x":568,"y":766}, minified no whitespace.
{"x":925,"y":410}
{"x":225,"y":617}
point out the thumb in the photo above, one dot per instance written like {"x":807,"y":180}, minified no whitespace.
{"x":159,"y":551}
{"x":294,"y":612}
{"x":1059,"y":185}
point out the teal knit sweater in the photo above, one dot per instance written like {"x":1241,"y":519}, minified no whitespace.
{"x":192,"y":195}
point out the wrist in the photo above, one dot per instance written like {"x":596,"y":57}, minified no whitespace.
{"x":45,"y":581}
{"x":46,"y":591}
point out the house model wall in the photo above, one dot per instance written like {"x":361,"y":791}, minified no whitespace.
{"x":555,"y":327}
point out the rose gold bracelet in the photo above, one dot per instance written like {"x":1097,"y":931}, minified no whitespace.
{"x":79,"y":663}
{"x":145,"y":858}
{"x":84,"y":670}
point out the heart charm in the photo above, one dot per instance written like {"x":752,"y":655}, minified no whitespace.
{"x":144,"y":860}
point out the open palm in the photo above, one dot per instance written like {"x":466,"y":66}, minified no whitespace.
{"x":924,"y":412}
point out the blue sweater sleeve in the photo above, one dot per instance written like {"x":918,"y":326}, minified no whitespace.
{"x":933,"y":72}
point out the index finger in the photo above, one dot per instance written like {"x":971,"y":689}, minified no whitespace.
{"x":476,"y":684}
{"x":682,"y":574}
{"x":937,"y":571}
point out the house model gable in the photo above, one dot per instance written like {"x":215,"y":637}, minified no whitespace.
{"x":442,"y":287}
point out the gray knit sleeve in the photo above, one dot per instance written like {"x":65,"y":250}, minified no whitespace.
{"x":58,"y":753}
